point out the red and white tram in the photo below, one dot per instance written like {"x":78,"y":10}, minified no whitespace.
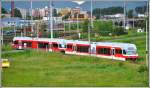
{"x":110,"y":50}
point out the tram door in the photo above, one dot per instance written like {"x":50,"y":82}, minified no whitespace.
{"x":113,"y":53}
{"x":93,"y":49}
{"x":20,"y":45}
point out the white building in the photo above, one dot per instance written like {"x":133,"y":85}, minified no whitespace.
{"x":55,"y":19}
{"x":23,"y":12}
{"x":141,"y":15}
{"x":118,"y":15}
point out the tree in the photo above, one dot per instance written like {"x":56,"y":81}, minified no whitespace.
{"x":130,"y":14}
{"x":103,"y":27}
{"x":4,"y":11}
{"x":107,"y":11}
{"x":55,"y":13}
{"x":119,"y":31}
{"x":85,"y":26}
{"x":140,"y":10}
{"x":66,"y":16}
{"x":17,"y":13}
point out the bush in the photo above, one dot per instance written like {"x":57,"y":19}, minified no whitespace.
{"x":119,"y":31}
{"x":7,"y":47}
{"x":103,"y":27}
{"x":120,"y":64}
{"x":142,"y":69}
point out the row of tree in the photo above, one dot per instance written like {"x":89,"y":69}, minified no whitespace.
{"x":114,"y":10}
{"x":104,"y":28}
{"x":17,"y":12}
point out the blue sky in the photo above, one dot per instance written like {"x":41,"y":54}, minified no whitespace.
{"x":85,"y":6}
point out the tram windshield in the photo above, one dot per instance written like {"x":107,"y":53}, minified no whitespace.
{"x":129,"y":52}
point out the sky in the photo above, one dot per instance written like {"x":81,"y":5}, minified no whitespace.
{"x":62,"y":4}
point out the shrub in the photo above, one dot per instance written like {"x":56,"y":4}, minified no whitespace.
{"x":120,"y":64}
{"x":119,"y":31}
{"x":142,"y":69}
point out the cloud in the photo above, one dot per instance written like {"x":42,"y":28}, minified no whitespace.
{"x":79,"y":2}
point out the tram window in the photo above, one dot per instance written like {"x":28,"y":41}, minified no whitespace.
{"x":103,"y":51}
{"x":29,"y":44}
{"x":55,"y":45}
{"x":15,"y":42}
{"x":42,"y":45}
{"x":84,"y":49}
{"x":118,"y":51}
{"x":62,"y":46}
{"x":69,"y":46}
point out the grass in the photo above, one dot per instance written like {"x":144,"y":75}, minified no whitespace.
{"x":32,"y":68}
{"x":7,"y":47}
{"x":37,"y":68}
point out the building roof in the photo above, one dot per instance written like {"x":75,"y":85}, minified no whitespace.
{"x":11,"y":19}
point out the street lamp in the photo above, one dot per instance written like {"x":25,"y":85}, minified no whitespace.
{"x":79,"y":2}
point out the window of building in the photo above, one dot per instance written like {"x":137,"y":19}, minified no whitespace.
{"x":84,"y":49}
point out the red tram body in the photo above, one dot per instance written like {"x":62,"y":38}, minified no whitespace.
{"x":110,"y":50}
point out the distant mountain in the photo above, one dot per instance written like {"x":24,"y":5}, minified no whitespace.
{"x":84,"y":6}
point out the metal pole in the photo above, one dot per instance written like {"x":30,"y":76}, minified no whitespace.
{"x":51,"y":18}
{"x":91,"y":13}
{"x":37,"y":29}
{"x":78,"y":25}
{"x":91,"y":26}
{"x":64,"y":29}
{"x":14,"y":30}
{"x":2,"y":36}
{"x":149,"y":38}
{"x":124,"y":23}
{"x":0,"y":44}
{"x":31,"y":17}
{"x":69,"y":25}
{"x":146,"y":37}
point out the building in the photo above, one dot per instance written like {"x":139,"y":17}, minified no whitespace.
{"x":118,"y":15}
{"x":6,"y":15}
{"x":78,"y":14}
{"x":63,"y":11}
{"x":23,"y":12}
{"x":55,"y":19}
{"x":141,"y":15}
{"x":7,"y":22}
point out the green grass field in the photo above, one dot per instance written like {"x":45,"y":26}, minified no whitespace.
{"x":36,"y":68}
